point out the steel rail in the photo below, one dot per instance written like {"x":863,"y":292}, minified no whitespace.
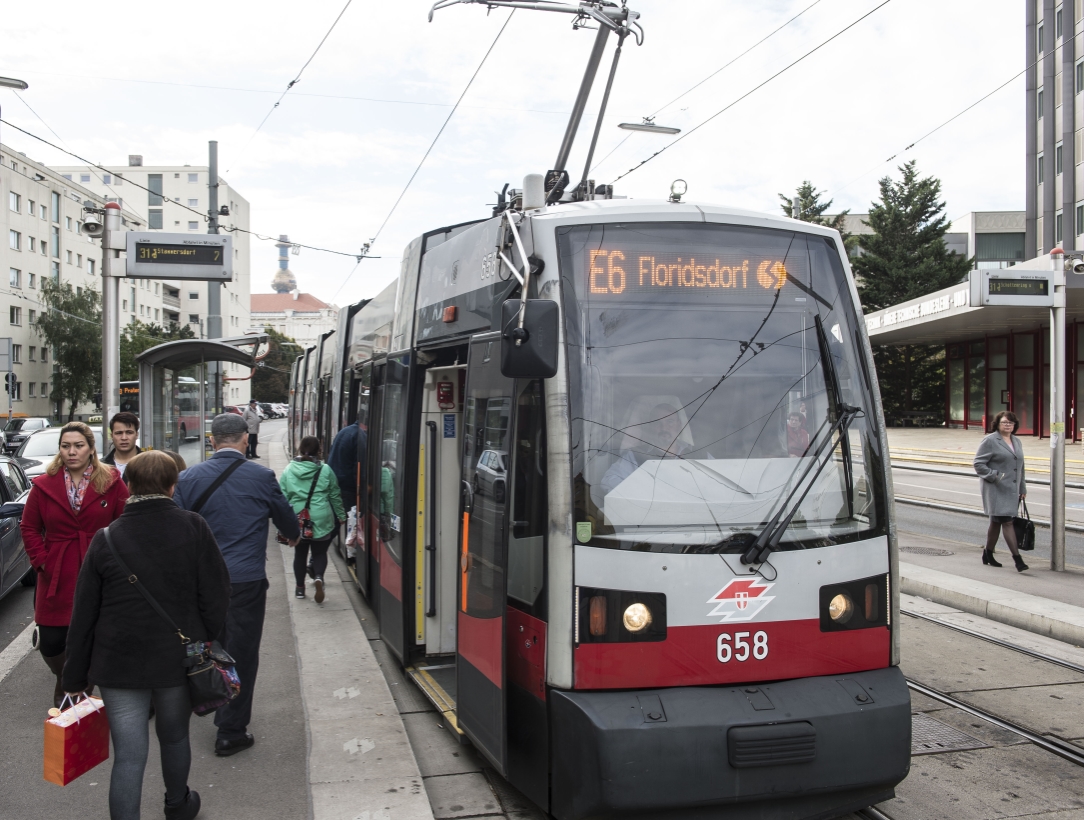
{"x":872,"y":813}
{"x":998,"y":642}
{"x":1067,"y":751}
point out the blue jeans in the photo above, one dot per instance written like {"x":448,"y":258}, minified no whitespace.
{"x":127,"y":710}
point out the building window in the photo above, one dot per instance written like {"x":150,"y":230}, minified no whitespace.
{"x":31,"y":317}
{"x":13,"y":202}
{"x":193,"y":226}
{"x":45,"y":358}
{"x":1057,"y":227}
{"x":118,"y":179}
{"x":30,"y":244}
{"x":193,"y":178}
{"x":42,"y":212}
{"x":44,"y":387}
{"x":68,"y":222}
{"x":31,"y":280}
{"x":15,"y":277}
{"x":54,"y":271}
{"x":1039,"y":170}
{"x":79,"y":260}
{"x":90,"y":266}
{"x":1057,"y":24}
{"x":154,"y":183}
{"x":193,"y":318}
{"x":42,"y":248}
{"x":84,"y":178}
{"x":154,"y":218}
{"x":107,"y":179}
{"x":1040,"y":33}
{"x":124,"y":306}
{"x":32,"y":354}
{"x":1057,"y":158}
{"x":68,"y":255}
{"x":193,"y":294}
{"x":15,"y":315}
{"x":133,"y":299}
{"x":156,"y":314}
{"x":1039,"y":104}
{"x":54,"y":241}
{"x":67,"y":177}
{"x":17,"y":395}
{"x":31,"y":389}
{"x":193,"y":203}
{"x":1079,"y":219}
{"x":15,"y":240}
{"x":17,"y":354}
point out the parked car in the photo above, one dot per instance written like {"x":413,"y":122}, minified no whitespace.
{"x":38,"y":450}
{"x":15,"y":565}
{"x":268,"y":410}
{"x":232,"y":408}
{"x":17,"y":430}
{"x":490,"y":476}
{"x":281,"y":410}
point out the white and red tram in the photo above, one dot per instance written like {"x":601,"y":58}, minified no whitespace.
{"x":640,"y":552}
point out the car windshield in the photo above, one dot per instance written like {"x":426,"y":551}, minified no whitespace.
{"x":47,"y":444}
{"x":14,"y":426}
{"x":699,"y":394}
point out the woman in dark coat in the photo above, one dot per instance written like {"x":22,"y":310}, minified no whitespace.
{"x":999,"y":464}
{"x":119,"y":643}
{"x":75,"y":497}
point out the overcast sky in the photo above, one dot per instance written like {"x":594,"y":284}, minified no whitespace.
{"x":162,"y":79}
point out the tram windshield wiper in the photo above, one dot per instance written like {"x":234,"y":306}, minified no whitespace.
{"x":768,"y":539}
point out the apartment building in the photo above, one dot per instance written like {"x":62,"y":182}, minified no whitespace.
{"x":177,"y":202}
{"x":41,"y":216}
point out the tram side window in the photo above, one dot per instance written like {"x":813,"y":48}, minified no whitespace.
{"x":391,"y":472}
{"x":526,"y":554}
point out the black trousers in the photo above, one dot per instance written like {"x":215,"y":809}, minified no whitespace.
{"x":319,"y":559}
{"x":253,"y":440}
{"x":244,"y":629}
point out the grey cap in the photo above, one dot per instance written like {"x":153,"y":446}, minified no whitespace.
{"x":228,"y":424}
{"x":252,"y":401}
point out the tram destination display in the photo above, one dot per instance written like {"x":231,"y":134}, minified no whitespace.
{"x":617,"y":272}
{"x":194,"y":257}
{"x":1012,"y":287}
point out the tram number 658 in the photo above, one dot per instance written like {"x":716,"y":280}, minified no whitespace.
{"x":738,"y":647}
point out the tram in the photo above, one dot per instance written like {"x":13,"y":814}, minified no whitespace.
{"x":626,"y":506}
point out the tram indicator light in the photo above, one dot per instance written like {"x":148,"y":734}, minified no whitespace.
{"x":614,"y":272}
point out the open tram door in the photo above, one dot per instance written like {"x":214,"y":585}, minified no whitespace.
{"x":480,"y":644}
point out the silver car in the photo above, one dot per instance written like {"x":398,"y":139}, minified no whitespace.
{"x":38,"y":450}
{"x":15,"y":565}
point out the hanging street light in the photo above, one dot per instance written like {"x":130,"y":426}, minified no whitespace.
{"x":649,"y":126}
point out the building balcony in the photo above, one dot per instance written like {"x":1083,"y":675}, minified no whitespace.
{"x":171,"y":301}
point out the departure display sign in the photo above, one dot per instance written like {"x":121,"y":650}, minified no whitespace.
{"x":1019,"y":287}
{"x":156,"y":255}
{"x":613,"y":272}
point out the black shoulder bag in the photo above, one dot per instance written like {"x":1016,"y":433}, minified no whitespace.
{"x":212,"y":679}
{"x":1025,"y":530}
{"x":216,"y":484}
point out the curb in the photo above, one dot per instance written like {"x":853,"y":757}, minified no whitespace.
{"x":1053,"y":619}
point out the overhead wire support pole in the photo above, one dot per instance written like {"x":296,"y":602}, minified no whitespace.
{"x":1057,"y":415}
{"x":214,"y":289}
{"x":113,"y":242}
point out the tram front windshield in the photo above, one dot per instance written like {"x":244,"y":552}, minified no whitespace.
{"x":716,"y":378}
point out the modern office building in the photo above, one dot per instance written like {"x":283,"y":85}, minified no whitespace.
{"x":41,"y":215}
{"x":993,"y":239}
{"x":1054,"y":173}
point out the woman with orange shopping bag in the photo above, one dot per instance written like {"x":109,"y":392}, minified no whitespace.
{"x":117,"y":642}
{"x":75,"y":497}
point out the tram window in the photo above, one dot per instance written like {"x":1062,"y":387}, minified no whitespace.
{"x":526,"y":542}
{"x":391,"y":470}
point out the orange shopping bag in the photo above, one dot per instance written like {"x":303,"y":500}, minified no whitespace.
{"x":76,"y":741}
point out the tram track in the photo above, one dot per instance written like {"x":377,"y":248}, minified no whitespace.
{"x":1062,"y":748}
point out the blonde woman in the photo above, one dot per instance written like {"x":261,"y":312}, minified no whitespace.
{"x":75,"y":497}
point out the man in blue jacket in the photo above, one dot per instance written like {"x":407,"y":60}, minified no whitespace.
{"x":236,"y":497}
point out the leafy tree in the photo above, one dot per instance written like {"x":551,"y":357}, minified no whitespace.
{"x":140,"y":336}
{"x":906,"y":257}
{"x":71,"y":326}
{"x":271,"y":381}
{"x":811,"y":209}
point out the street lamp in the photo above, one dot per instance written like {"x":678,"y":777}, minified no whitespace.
{"x":649,"y":126}
{"x":11,"y":82}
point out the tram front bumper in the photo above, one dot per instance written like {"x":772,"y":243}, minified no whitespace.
{"x":812,"y":747}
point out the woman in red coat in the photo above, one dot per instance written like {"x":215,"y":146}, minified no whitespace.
{"x":76,"y":497}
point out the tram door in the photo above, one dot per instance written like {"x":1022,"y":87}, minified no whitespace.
{"x":480,"y":667}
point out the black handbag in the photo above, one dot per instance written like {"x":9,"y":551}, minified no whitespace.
{"x":212,"y":678}
{"x":1025,"y":530}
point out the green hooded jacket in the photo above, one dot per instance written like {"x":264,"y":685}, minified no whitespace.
{"x":327,"y":504}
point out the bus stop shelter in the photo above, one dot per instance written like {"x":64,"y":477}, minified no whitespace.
{"x":181,"y":389}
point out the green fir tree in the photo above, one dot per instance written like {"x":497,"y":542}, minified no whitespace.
{"x":812,"y":209}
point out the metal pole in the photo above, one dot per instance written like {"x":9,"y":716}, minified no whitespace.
{"x":581,"y":98}
{"x":214,"y":289}
{"x":796,"y":208}
{"x":602,"y":109}
{"x":11,"y":380}
{"x":1057,"y":415}
{"x":112,"y":271}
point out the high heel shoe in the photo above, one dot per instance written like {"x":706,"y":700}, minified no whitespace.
{"x":1020,"y":565}
{"x":988,"y":558}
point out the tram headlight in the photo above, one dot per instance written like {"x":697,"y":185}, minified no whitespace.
{"x":841,"y":608}
{"x":637,"y":618}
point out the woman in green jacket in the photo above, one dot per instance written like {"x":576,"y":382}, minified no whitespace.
{"x":304,"y":475}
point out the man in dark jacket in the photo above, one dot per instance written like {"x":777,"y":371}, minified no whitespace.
{"x":237,"y":512}
{"x":347,"y":451}
{"x":124,"y":430}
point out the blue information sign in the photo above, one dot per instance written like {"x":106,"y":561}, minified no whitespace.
{"x":449,"y":425}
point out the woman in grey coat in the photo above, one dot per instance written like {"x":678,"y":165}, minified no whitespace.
{"x":999,"y":464}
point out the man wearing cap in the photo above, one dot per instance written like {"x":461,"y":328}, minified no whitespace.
{"x":252,"y":419}
{"x":236,"y":498}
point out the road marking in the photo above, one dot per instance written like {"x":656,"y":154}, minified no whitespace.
{"x":15,"y":651}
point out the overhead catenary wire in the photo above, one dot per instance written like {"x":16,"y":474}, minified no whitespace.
{"x":762,"y":40}
{"x":432,"y":145}
{"x":297,"y":79}
{"x":231,"y":229}
{"x":753,"y":90}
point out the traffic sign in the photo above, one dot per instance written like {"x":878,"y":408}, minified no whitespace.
{"x":1012,"y":287}
{"x":192,"y":257}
